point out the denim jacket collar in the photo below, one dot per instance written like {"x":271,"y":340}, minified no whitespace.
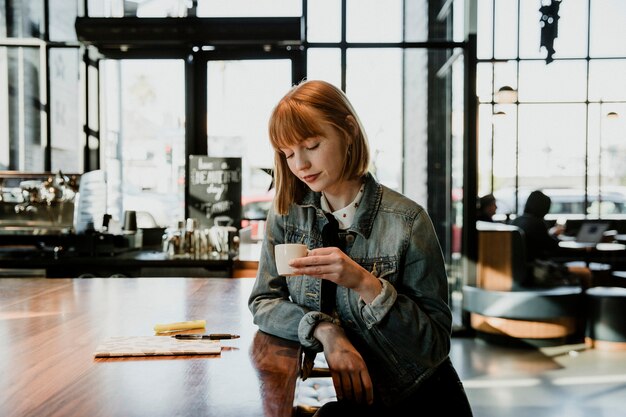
{"x":365,"y":214}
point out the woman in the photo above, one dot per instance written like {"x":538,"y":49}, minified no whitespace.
{"x":372,"y":292}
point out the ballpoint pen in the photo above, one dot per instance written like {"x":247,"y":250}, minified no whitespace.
{"x":213,"y":336}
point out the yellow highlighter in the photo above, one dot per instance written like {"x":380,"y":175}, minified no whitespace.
{"x":177,"y":327}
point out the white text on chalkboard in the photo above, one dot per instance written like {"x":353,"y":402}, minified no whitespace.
{"x":220,"y":176}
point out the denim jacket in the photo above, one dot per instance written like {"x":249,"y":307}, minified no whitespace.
{"x":404,"y":333}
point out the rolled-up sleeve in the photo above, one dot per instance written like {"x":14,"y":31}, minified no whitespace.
{"x":270,"y":303}
{"x":375,"y":311}
{"x":307,"y":327}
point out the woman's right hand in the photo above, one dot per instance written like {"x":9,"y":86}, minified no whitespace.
{"x":350,"y":375}
{"x":334,"y":265}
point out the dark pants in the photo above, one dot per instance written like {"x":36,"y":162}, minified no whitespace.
{"x":441,"y":395}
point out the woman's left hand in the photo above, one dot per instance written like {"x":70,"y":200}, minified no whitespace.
{"x":351,"y":378}
{"x":334,"y":265}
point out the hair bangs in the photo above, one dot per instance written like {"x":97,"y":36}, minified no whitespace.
{"x":291,"y":123}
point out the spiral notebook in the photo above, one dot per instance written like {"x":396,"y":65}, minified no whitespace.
{"x":119,"y":346}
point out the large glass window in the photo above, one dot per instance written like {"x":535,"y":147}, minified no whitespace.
{"x":65,"y":121}
{"x":324,"y":21}
{"x":374,"y":21}
{"x":23,"y":144}
{"x":257,"y":8}
{"x":559,"y":133}
{"x":144,"y":126}
{"x":239,"y":107}
{"x":572,"y":29}
{"x":552,"y":146}
{"x":40,"y":86}
{"x":374,"y":85}
{"x":606,"y":26}
{"x":62,"y":15}
{"x":324,"y":64}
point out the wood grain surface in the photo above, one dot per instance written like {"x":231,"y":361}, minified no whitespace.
{"x":49,"y":329}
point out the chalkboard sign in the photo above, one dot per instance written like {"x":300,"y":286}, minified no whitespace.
{"x":215,"y":190}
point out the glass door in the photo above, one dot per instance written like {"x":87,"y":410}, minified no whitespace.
{"x":240,"y":96}
{"x":147,"y":113}
{"x":143,"y":153}
{"x":240,"y":99}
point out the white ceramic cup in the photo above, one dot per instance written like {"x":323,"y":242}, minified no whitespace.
{"x":286,"y":252}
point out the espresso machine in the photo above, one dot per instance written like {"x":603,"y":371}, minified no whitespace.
{"x":37,"y":213}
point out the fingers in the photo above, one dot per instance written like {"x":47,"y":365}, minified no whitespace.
{"x":315,"y":257}
{"x":323,"y":251}
{"x":318,"y":271}
{"x":353,"y":386}
{"x":368,"y":388}
{"x":325,"y":263}
{"x":316,"y":265}
{"x":362,"y":391}
{"x":337,"y":384}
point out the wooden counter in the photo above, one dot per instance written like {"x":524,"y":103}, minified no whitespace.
{"x":49,"y":329}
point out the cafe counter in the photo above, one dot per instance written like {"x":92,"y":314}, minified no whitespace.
{"x":50,"y":329}
{"x":102,"y":255}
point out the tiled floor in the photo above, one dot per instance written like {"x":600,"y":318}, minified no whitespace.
{"x":501,"y":381}
{"x":564,"y":381}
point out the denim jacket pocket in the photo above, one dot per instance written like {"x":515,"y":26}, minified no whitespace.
{"x":296,"y":236}
{"x":382,"y":268}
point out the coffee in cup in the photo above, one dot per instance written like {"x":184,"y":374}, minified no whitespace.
{"x":285,"y":252}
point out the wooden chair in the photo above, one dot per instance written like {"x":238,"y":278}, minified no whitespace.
{"x":501,"y":257}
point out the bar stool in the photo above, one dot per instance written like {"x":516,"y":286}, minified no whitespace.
{"x":606,"y":309}
{"x":316,"y":390}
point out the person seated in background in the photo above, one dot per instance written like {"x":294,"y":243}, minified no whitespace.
{"x":486,"y":208}
{"x":541,"y":242}
{"x":542,"y":245}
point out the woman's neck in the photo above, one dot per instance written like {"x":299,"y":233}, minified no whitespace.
{"x":342,"y":194}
